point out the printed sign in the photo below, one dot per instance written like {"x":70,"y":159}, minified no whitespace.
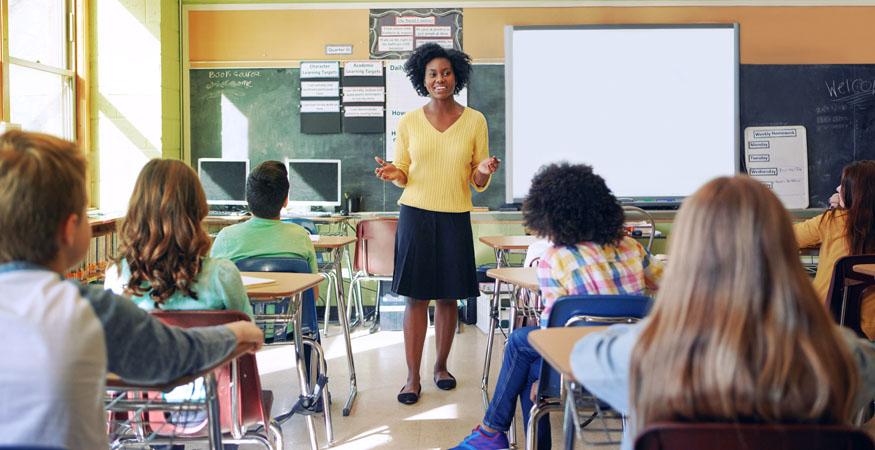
{"x":320,"y":106}
{"x":320,"y":89}
{"x":320,"y":69}
{"x":392,"y":31}
{"x":363,"y":111}
{"x":363,"y":69}
{"x":778,"y":156}
{"x":363,"y":94}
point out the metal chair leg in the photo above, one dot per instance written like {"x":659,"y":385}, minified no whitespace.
{"x":538,"y":411}
{"x":276,"y":434}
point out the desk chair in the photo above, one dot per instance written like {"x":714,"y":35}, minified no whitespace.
{"x":244,"y":408}
{"x":374,"y":260}
{"x":579,"y":310}
{"x":846,"y":289}
{"x":326,"y":268}
{"x":309,"y":335}
{"x":731,"y":436}
{"x":634,"y":213}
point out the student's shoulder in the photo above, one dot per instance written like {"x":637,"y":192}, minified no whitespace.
{"x":294,"y":230}
{"x":233,"y":230}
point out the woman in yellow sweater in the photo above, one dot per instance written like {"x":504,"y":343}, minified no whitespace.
{"x":441,"y":149}
{"x":848,"y":228}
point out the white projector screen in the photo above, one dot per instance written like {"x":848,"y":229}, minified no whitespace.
{"x":653,"y":109}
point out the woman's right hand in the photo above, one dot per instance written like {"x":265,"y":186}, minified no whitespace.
{"x":387,"y":171}
{"x":247,"y":333}
{"x":835,"y":201}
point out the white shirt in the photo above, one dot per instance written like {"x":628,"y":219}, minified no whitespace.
{"x":54,"y":368}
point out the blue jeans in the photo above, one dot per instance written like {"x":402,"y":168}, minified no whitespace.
{"x":520,"y":369}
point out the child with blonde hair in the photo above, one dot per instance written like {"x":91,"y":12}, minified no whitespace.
{"x":736,"y":334}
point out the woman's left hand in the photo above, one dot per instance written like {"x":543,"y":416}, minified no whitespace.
{"x":488,"y":165}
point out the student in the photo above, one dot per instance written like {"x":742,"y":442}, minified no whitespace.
{"x":264,"y":235}
{"x":573,"y":208}
{"x":60,"y":338}
{"x":267,"y":192}
{"x":848,"y":228}
{"x":737,"y":333}
{"x":163,"y":247}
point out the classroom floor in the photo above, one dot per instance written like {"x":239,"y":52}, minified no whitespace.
{"x":440,"y":419}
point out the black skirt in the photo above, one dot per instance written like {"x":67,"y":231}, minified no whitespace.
{"x":434,"y":255}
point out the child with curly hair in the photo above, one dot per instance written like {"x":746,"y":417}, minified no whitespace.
{"x":573,"y":208}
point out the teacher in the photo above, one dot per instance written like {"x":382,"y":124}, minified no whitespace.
{"x":440,"y":149}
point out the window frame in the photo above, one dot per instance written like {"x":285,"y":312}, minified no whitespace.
{"x":74,"y":54}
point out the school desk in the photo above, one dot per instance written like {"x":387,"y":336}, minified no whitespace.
{"x":292,"y":286}
{"x":555,"y":345}
{"x":129,"y":403}
{"x":503,"y":245}
{"x":336,"y":245}
{"x":865,"y":269}
{"x":522,"y":277}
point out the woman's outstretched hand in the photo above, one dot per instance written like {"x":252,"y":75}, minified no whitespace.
{"x":387,"y":171}
{"x":489,"y":165}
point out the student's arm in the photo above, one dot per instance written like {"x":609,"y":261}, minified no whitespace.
{"x":808,"y":232}
{"x":652,"y":271}
{"x":551,"y":273}
{"x":141,"y":349}
{"x":481,"y":152}
{"x":226,"y":279}
{"x":601,"y":362}
{"x":311,"y":255}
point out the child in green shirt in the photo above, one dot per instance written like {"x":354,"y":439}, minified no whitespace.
{"x":264,"y":235}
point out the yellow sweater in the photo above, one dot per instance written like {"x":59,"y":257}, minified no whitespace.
{"x":830,"y":235}
{"x":440,"y":166}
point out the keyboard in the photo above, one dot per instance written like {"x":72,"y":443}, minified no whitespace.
{"x":226,"y":213}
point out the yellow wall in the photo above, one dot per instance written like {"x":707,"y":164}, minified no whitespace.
{"x":769,"y":35}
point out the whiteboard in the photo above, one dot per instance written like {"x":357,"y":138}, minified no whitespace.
{"x":654,"y":109}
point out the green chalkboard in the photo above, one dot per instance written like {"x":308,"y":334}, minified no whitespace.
{"x":255,"y":112}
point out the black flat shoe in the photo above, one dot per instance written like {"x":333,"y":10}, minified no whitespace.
{"x":409,"y":398}
{"x":446,"y":384}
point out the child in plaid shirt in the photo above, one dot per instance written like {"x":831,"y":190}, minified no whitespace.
{"x":573,"y":208}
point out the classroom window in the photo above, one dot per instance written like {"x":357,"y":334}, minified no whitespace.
{"x":41,"y":78}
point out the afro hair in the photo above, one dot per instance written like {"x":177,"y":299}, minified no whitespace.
{"x":415,"y":66}
{"x":569,"y":204}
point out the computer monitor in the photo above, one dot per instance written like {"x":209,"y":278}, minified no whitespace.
{"x":224,"y":180}
{"x":313,"y":182}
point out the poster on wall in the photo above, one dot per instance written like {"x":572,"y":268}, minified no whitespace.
{"x":401,"y":98}
{"x":320,"y":97}
{"x":364,"y":97}
{"x":778,"y":157}
{"x":394,"y":33}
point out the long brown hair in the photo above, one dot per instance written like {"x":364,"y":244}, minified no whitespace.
{"x":737,"y":333}
{"x":161,"y":237}
{"x":858,"y":192}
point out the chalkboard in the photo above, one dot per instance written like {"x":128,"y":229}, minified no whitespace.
{"x":835,"y":103}
{"x":254,"y":113}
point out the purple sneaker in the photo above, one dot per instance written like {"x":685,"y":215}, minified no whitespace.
{"x":478,"y":440}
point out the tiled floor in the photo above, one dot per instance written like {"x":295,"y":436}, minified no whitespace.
{"x":440,"y":419}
